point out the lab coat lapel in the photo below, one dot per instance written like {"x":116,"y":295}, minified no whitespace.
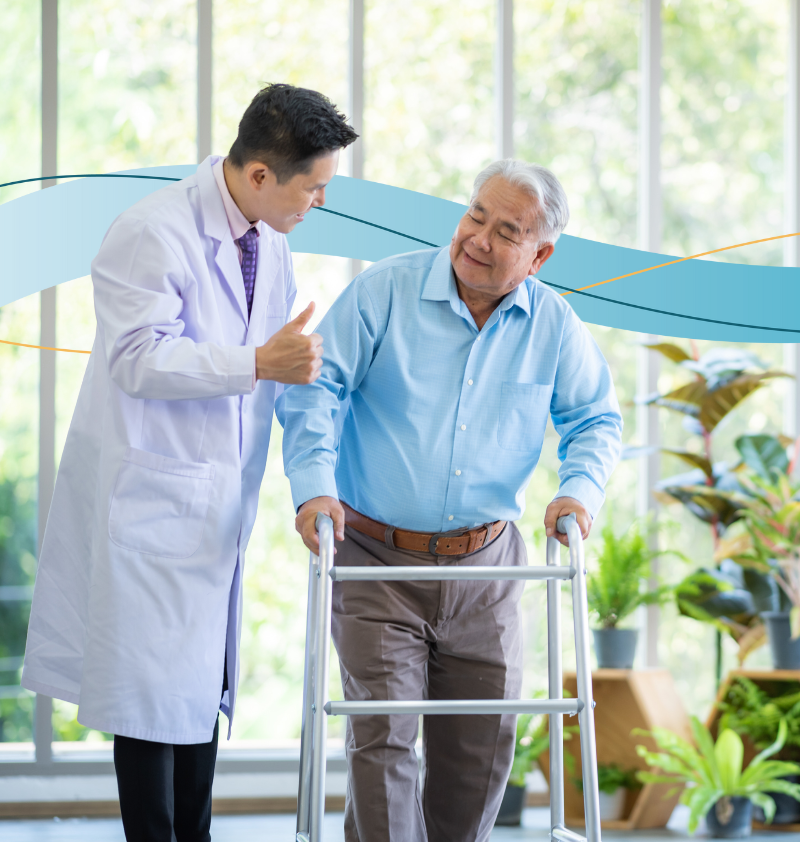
{"x":215,"y":225}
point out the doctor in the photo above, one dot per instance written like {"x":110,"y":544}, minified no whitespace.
{"x":137,"y":608}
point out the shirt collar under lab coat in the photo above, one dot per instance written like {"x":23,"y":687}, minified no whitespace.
{"x":237,"y":221}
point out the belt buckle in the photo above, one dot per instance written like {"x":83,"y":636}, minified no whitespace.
{"x":434,"y":539}
{"x":460,"y":533}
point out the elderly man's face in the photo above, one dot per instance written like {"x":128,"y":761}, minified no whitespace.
{"x":495,"y":246}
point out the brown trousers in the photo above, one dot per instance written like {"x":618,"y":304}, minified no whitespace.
{"x":434,"y":640}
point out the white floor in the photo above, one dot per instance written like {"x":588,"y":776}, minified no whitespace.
{"x":273,"y":828}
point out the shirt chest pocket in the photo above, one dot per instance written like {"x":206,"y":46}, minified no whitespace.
{"x":524,"y":410}
{"x":160,"y":504}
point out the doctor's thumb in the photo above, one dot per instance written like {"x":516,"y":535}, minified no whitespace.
{"x":299,"y":322}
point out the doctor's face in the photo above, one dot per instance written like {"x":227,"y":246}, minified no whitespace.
{"x":496,"y":245}
{"x":282,"y":206}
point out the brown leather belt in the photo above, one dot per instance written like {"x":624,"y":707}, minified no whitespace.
{"x":457,"y":542}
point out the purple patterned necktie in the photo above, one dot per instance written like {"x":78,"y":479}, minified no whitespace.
{"x":249,"y":246}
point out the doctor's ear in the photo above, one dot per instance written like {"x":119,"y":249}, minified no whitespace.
{"x":258,"y":174}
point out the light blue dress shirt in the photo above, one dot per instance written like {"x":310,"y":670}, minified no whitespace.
{"x":421,"y":421}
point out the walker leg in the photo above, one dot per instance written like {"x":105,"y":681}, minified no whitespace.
{"x":306,"y":733}
{"x":580,"y":611}
{"x":322,"y":645}
{"x":556,"y":685}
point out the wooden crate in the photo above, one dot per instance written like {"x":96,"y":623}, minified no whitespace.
{"x":771,"y":680}
{"x":626,"y":699}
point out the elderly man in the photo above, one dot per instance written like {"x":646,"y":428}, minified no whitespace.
{"x":452,"y":359}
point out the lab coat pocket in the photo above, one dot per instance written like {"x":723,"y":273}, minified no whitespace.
{"x":275,"y":318}
{"x":524,"y":410}
{"x":159,"y":504}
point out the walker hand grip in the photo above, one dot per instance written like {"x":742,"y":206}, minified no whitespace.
{"x":321,"y":518}
{"x":561,"y":523}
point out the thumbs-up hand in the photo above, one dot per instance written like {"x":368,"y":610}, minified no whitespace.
{"x":289,"y":356}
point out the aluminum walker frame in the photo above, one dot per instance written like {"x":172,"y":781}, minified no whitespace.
{"x":317,"y":707}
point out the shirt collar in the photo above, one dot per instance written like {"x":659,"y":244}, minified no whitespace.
{"x":237,"y":222}
{"x":440,"y":285}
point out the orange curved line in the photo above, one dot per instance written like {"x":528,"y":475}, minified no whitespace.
{"x":683,"y":260}
{"x":43,"y":347}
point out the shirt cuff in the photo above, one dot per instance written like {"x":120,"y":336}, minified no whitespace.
{"x":316,"y":481}
{"x":585,"y":492}
{"x":241,"y":369}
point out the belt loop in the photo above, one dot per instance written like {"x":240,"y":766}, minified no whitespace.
{"x":388,"y":538}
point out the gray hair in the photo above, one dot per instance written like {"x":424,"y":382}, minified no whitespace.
{"x":536,"y":181}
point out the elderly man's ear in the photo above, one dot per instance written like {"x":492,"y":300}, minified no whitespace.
{"x":541,"y":257}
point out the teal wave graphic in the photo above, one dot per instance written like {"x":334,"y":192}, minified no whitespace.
{"x":64,"y":226}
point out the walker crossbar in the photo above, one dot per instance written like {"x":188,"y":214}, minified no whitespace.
{"x":317,"y":707}
{"x":568,"y":706}
{"x":446,"y":573}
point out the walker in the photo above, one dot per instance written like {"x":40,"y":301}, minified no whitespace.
{"x":317,"y":707}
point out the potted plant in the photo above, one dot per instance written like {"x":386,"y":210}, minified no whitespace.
{"x":532,"y":740}
{"x":719,"y":380}
{"x":616,"y":587}
{"x":770,"y":546}
{"x":614,"y":783}
{"x":753,"y":712}
{"x":716,"y":785}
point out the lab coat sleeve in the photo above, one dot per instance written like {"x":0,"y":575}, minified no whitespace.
{"x":586,"y":415}
{"x":351,"y":332}
{"x":138,"y":293}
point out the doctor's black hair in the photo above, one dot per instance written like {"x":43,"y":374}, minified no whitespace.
{"x":286,"y":128}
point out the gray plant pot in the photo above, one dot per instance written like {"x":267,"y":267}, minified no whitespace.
{"x":511,"y":807}
{"x":787,"y":809}
{"x":731,"y":818}
{"x":785,"y":651}
{"x":615,"y":648}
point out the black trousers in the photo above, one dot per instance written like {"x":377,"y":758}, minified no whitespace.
{"x":164,"y":787}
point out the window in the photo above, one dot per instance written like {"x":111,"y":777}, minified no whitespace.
{"x":128,"y":98}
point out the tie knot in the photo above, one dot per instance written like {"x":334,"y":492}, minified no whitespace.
{"x":248,"y":240}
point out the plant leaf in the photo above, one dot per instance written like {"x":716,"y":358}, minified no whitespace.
{"x":770,"y":750}
{"x":719,"y":402}
{"x":693,"y":392}
{"x":699,"y":801}
{"x":705,"y":748}
{"x":766,"y":803}
{"x":733,"y":547}
{"x":762,"y":454}
{"x":670,"y":351}
{"x":729,"y":755}
{"x":705,"y":502}
{"x":693,"y":459}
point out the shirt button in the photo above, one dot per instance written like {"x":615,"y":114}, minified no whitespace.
{"x":469,"y":382}
{"x":458,"y":473}
{"x":463,"y":426}
{"x":450,"y":518}
{"x":478,"y":339}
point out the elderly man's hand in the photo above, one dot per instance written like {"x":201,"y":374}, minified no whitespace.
{"x":561,"y":507}
{"x":306,"y":521}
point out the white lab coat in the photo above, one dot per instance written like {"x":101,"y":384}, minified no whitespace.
{"x":139,"y":587}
